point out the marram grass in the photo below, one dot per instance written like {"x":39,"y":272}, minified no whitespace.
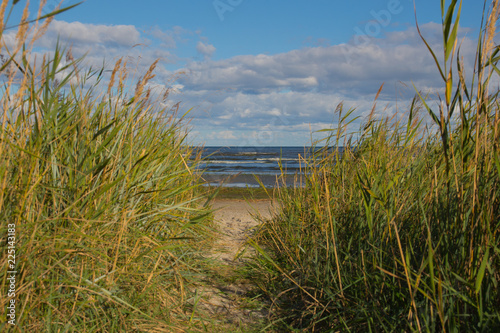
{"x":108,"y":221}
{"x":401,"y":231}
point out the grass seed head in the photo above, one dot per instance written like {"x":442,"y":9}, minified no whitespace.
{"x":3,"y":7}
{"x":491,"y":28}
{"x":22,"y":31}
{"x":113,"y":75}
{"x":145,"y":79}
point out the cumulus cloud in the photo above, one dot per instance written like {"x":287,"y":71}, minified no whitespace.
{"x":288,"y":116}
{"x":352,"y":69}
{"x":274,"y":99}
{"x":293,"y":93}
{"x":224,"y":135}
{"x":207,"y":50}
{"x":83,"y":34}
{"x":170,"y":37}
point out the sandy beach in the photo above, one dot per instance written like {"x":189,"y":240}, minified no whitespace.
{"x":236,"y":221}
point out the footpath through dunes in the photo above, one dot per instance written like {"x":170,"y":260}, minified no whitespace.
{"x":231,"y":298}
{"x":235,"y":219}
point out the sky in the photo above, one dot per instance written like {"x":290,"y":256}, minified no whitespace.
{"x":269,"y":73}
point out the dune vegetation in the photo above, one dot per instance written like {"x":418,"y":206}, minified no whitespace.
{"x":400,"y":231}
{"x":98,"y":201}
{"x":105,"y":226}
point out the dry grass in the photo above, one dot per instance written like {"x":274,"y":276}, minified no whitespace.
{"x":109,"y":222}
{"x":400,"y":231}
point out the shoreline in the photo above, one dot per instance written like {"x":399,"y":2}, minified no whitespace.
{"x":244,"y":180}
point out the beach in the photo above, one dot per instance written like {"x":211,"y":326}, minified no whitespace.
{"x":235,"y":219}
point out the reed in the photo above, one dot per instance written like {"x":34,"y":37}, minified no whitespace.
{"x":109,"y":222}
{"x":401,"y":230}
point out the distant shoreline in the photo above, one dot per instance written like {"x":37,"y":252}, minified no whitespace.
{"x":242,"y":193}
{"x":249,"y":180}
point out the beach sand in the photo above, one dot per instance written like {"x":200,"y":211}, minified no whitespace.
{"x":235,"y":219}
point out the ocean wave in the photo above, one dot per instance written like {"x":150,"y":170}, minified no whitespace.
{"x":229,"y":162}
{"x":253,"y":161}
{"x":244,"y":153}
{"x":277,"y":159}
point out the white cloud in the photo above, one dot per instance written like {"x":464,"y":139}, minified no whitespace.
{"x":269,"y":99}
{"x":223,"y":135}
{"x":353,"y":70}
{"x":207,"y":50}
{"x":81,"y":34}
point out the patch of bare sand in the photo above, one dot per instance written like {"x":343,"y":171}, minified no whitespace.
{"x":236,"y":223}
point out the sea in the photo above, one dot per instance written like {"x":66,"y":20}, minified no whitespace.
{"x":252,"y":166}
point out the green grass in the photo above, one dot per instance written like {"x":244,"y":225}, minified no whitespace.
{"x":110,"y":224}
{"x":402,"y":231}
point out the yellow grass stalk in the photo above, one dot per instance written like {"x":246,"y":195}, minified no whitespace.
{"x":3,"y":7}
{"x":122,"y":74}
{"x":40,"y":8}
{"x":22,"y":31}
{"x":113,"y":75}
{"x":145,"y":79}
{"x":482,"y":91}
{"x":40,"y":31}
{"x":330,"y":220}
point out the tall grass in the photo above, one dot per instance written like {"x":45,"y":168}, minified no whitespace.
{"x":401,"y":230}
{"x":95,"y":180}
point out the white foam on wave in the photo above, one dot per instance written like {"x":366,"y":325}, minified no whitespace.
{"x":232,"y":185}
{"x":277,"y":159}
{"x":230,"y":162}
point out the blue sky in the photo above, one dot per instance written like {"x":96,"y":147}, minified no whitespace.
{"x":261,"y":72}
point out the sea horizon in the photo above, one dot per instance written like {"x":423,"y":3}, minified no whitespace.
{"x":238,"y":166}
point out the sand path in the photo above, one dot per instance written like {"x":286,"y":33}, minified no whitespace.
{"x":235,"y":221}
{"x":234,"y":218}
